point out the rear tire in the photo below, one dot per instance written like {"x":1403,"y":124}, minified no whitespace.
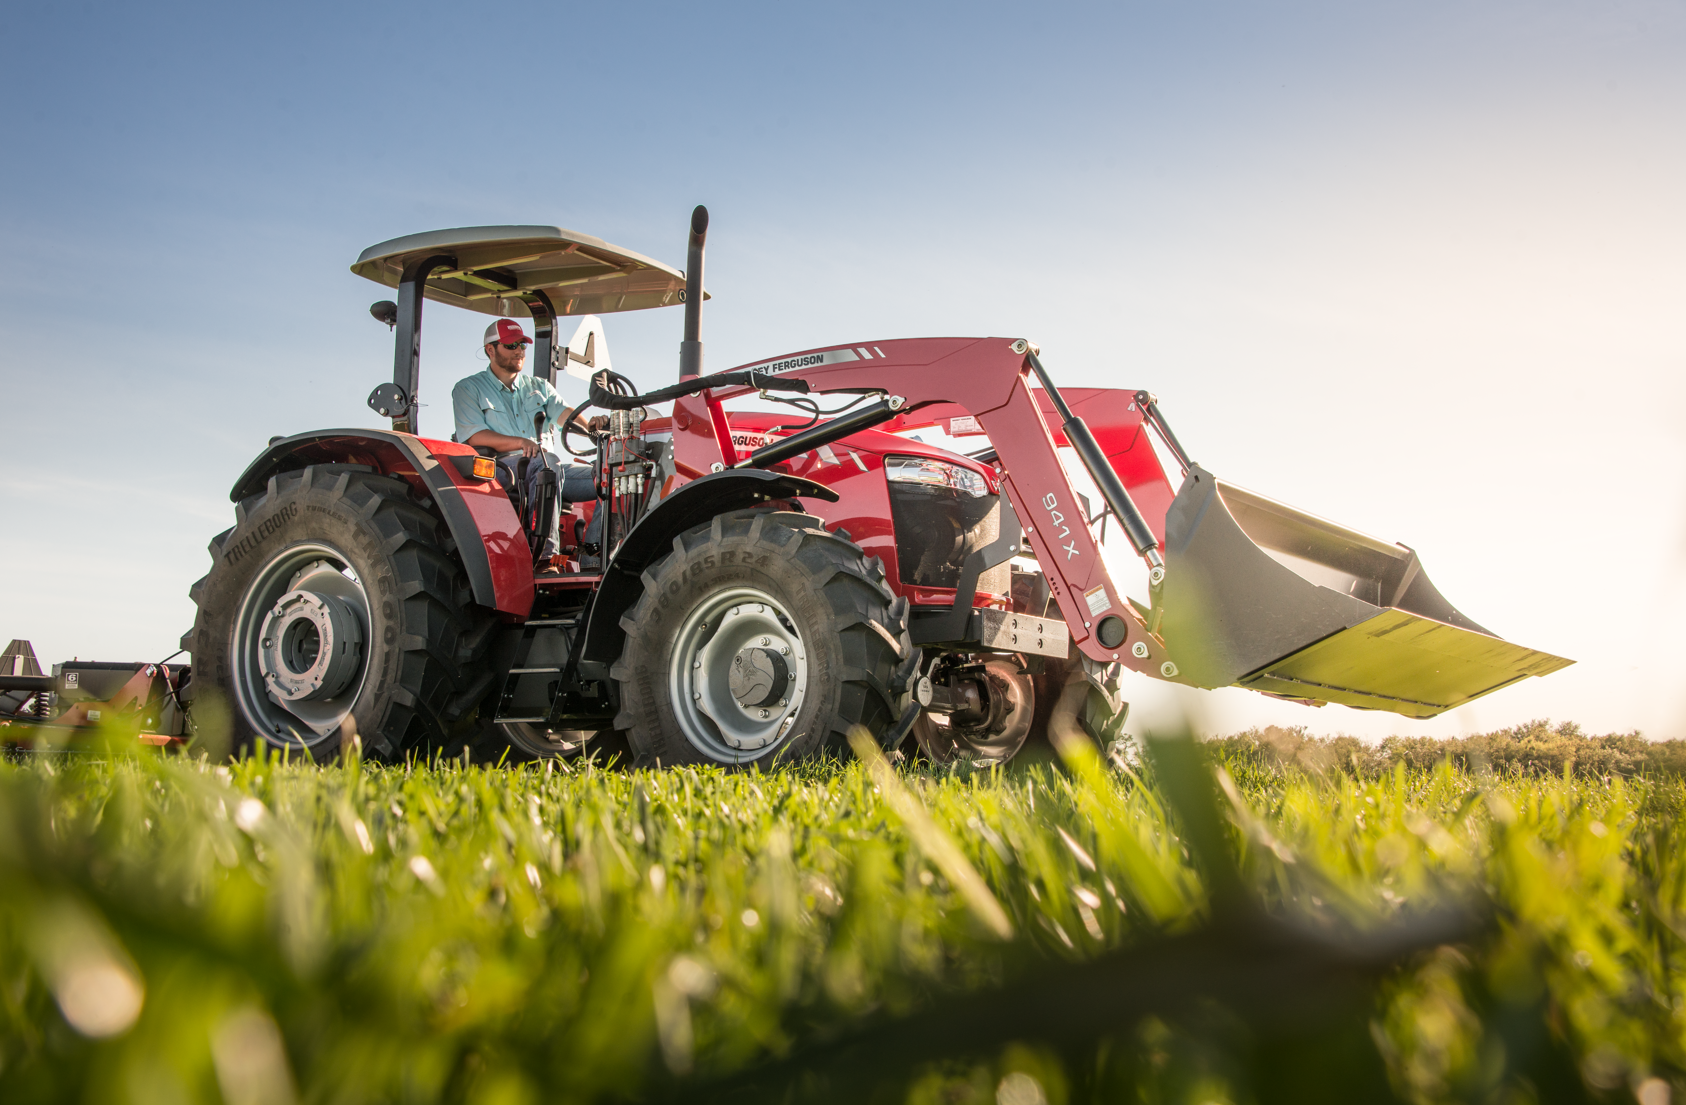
{"x":761,"y":637}
{"x":336,"y":606}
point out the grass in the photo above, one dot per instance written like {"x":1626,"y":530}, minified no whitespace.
{"x":263,"y":932}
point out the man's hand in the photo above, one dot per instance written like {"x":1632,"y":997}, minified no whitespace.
{"x":598,"y":423}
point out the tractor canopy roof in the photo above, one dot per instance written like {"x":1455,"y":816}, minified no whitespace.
{"x":491,"y":266}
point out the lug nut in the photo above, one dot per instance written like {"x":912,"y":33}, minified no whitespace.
{"x":1168,"y":670}
{"x":763,"y":713}
{"x":1139,"y":650}
{"x":785,"y":650}
{"x":766,"y":640}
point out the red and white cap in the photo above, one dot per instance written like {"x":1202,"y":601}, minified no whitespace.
{"x":505,"y":330}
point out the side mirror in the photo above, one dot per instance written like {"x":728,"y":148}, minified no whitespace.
{"x":385,"y":311}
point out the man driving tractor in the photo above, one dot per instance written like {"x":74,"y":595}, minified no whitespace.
{"x":501,"y":408}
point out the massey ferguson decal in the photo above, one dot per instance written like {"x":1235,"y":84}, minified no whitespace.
{"x":806,"y":360}
{"x":1050,"y":504}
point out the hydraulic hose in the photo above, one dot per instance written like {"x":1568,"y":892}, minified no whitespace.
{"x":609,"y":401}
{"x":823,"y":434}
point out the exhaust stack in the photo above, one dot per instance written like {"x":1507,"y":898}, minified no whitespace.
{"x":691,"y":349}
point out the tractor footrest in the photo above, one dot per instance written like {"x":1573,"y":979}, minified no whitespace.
{"x":564,"y":582}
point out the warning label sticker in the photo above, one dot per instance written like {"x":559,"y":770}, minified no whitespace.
{"x":966,"y":424}
{"x":1097,"y":600}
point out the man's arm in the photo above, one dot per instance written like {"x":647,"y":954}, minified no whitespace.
{"x":503,"y":443}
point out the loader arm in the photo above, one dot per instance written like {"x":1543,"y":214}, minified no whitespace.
{"x":988,"y":380}
{"x":1246,"y":591}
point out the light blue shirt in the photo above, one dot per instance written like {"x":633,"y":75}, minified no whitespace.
{"x":482,"y":402}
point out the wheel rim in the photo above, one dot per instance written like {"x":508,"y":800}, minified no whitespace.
{"x":300,"y":645}
{"x":739,"y":675}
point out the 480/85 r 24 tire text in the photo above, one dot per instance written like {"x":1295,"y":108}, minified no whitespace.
{"x":761,"y":637}
{"x":337,"y":596}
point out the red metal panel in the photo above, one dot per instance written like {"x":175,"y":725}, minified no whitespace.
{"x":722,"y":430}
{"x":694,"y":445}
{"x":1121,"y":429}
{"x":507,"y":551}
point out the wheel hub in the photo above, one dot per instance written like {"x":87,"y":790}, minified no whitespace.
{"x":739,"y":675}
{"x":301,"y":644}
{"x":311,"y":646}
{"x":758,"y":677}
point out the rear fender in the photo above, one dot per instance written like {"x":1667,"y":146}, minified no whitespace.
{"x":690,"y":505}
{"x":492,"y":547}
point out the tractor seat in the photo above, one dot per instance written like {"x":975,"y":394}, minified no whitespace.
{"x":512,"y":477}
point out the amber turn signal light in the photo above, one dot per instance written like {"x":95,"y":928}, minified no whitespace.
{"x":486,"y":468}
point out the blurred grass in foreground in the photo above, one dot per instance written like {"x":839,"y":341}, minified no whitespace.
{"x":173,"y":931}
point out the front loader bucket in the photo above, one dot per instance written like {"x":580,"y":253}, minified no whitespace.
{"x":1260,"y":595}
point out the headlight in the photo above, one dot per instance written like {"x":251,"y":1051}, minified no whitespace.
{"x":935,"y":473}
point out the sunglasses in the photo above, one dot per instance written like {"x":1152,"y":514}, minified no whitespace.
{"x":512,"y":346}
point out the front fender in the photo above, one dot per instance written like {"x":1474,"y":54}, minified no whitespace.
{"x":488,"y":535}
{"x":691,"y":505}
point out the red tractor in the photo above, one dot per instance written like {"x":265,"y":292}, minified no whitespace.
{"x":773,"y":577}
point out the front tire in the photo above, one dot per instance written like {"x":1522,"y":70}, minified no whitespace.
{"x":761,"y":637}
{"x":336,"y":607}
{"x":1073,"y":703}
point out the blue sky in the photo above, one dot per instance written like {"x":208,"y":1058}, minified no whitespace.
{"x":1418,"y":268}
